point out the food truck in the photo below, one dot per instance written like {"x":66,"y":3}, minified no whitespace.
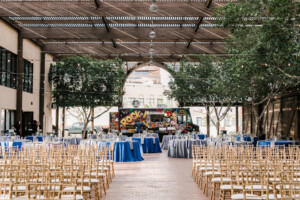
{"x":159,"y":120}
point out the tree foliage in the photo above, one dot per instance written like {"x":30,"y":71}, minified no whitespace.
{"x":263,"y":48}
{"x":205,"y":82}
{"x":264,"y":32}
{"x":87,"y":82}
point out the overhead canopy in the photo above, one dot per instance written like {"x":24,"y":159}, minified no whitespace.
{"x":110,"y":28}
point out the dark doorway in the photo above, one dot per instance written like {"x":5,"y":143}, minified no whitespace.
{"x":27,"y":123}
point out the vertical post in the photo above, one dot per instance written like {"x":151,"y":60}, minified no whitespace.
{"x":298,"y":118}
{"x":243,"y":118}
{"x":92,"y":119}
{"x":56,"y":120}
{"x":237,"y":118}
{"x":63,"y":121}
{"x":42,"y":90}
{"x":20,"y":82}
{"x":251,"y":120}
{"x":281,"y":116}
{"x":119,"y":119}
{"x":207,"y":122}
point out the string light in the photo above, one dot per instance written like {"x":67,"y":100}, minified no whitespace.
{"x":153,"y":7}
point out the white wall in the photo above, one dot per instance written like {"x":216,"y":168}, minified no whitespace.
{"x":31,"y":52}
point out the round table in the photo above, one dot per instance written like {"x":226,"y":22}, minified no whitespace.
{"x":39,"y":138}
{"x":248,"y":139}
{"x":202,"y":136}
{"x":122,"y":150}
{"x":123,"y":153}
{"x":181,"y":148}
{"x":71,"y":141}
{"x":269,"y":143}
{"x":166,"y":139}
{"x":149,"y":146}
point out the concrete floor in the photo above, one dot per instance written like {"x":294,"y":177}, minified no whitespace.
{"x":157,"y":177}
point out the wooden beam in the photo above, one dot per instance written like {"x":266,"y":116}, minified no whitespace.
{"x":124,"y":33}
{"x":20,"y":83}
{"x":89,"y":40}
{"x":97,"y":3}
{"x":138,"y":23}
{"x":106,"y":24}
{"x":107,"y":8}
{"x":189,"y":43}
{"x":133,"y":49}
{"x":114,"y":43}
{"x":208,"y":3}
{"x":42,"y":90}
{"x":200,"y":20}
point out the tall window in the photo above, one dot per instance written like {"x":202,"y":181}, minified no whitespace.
{"x":141,"y":100}
{"x":27,"y":76}
{"x":199,"y":121}
{"x":8,"y":68}
{"x":8,"y":71}
{"x":150,"y":101}
{"x":7,"y":119}
{"x":160,"y":101}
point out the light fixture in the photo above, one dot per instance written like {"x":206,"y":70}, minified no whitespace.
{"x":8,"y":60}
{"x":152,"y":34}
{"x":153,"y":7}
{"x":151,"y":51}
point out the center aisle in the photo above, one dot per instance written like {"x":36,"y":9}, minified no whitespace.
{"x":157,"y":177}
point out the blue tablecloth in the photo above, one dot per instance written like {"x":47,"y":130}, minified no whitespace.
{"x":123,"y":153}
{"x":148,"y":146}
{"x":14,"y":144}
{"x":39,"y":138}
{"x":202,"y":136}
{"x":277,"y":143}
{"x":249,"y":139}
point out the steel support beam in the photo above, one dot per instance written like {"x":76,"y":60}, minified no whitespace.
{"x":20,"y":83}
{"x":97,"y":3}
{"x":42,"y":90}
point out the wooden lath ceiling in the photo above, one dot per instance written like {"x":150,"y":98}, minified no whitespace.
{"x":110,"y":28}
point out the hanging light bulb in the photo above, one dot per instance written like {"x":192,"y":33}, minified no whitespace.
{"x":151,"y":51}
{"x":151,"y":62}
{"x":153,"y":7}
{"x":152,"y":34}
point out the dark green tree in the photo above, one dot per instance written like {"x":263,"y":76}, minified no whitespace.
{"x":87,"y":83}
{"x":205,"y":82}
{"x":263,"y":49}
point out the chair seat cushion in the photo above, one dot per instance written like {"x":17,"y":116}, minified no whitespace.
{"x":228,"y":187}
{"x":248,"y":196}
{"x":70,"y":197}
{"x":218,"y":179}
{"x":70,"y":189}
